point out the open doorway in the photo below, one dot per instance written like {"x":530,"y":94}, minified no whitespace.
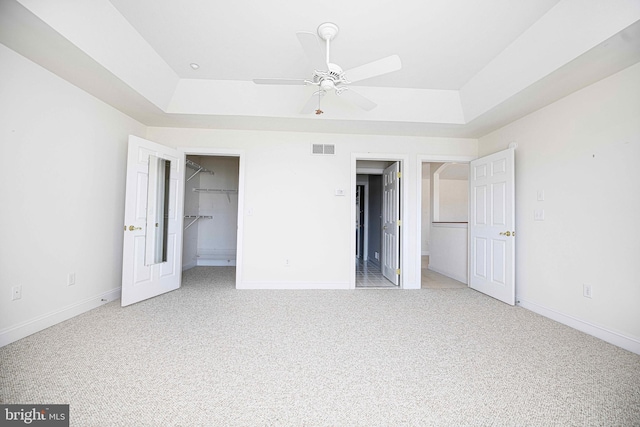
{"x":210,"y":212}
{"x":377,"y":221}
{"x":444,"y":225}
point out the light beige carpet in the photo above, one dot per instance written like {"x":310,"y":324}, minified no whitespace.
{"x":210,"y":355}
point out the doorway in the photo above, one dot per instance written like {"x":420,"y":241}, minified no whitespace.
{"x":444,"y":225}
{"x":377,"y":213}
{"x":210,"y":212}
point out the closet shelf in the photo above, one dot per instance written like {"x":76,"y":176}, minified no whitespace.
{"x":216,"y":190}
{"x":197,"y":167}
{"x":196,"y":218}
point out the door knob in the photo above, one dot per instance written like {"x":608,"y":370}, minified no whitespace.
{"x":131,"y":228}
{"x":506,"y":233}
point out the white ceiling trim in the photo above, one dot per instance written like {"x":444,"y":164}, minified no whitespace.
{"x":568,"y":30}
{"x":102,"y":33}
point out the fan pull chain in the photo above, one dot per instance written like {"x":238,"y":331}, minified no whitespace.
{"x":319,"y":111}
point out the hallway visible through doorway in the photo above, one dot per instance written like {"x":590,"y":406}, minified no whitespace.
{"x":369,"y":275}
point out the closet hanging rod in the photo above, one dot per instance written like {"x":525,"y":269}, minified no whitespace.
{"x":216,"y":190}
{"x":197,"y":167}
{"x":196,"y":218}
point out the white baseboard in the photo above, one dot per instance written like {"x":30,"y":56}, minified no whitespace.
{"x":293,"y":285}
{"x":612,"y":337}
{"x":37,"y":324}
{"x":216,"y":257}
{"x":216,"y":262}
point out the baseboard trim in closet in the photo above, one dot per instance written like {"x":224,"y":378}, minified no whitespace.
{"x":216,"y":262}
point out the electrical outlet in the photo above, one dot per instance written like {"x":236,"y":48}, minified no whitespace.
{"x":376,"y":255}
{"x":16,"y":292}
{"x":71,"y":279}
{"x":538,"y":214}
{"x":286,"y":263}
{"x":587,"y":291}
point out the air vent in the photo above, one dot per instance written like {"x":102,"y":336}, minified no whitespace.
{"x":323,"y":149}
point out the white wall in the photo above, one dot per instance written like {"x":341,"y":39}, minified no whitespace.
{"x":454,"y":200}
{"x":62,"y":171}
{"x":583,"y":152}
{"x":291,"y":211}
{"x":449,"y":250}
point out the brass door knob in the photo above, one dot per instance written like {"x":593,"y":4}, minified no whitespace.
{"x":506,"y":233}
{"x":131,"y":228}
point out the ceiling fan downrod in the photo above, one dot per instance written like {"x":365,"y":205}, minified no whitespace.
{"x":327,"y":32}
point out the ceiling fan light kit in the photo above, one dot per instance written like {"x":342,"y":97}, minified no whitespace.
{"x":328,"y":76}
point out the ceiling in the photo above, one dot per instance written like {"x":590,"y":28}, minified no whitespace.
{"x":441,"y":43}
{"x":468,"y":67}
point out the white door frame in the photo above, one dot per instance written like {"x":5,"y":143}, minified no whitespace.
{"x":426,"y":158}
{"x":403,"y":159}
{"x":240,"y":154}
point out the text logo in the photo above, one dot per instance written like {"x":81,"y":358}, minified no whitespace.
{"x":34,"y":415}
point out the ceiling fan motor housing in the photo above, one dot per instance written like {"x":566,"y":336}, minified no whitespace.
{"x":331,"y":79}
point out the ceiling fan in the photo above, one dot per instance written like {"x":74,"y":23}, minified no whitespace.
{"x":328,"y":76}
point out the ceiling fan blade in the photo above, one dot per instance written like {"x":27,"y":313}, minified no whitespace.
{"x":311,"y":45}
{"x":313,"y":103}
{"x":279,"y":81}
{"x":359,"y":100}
{"x":373,"y":69}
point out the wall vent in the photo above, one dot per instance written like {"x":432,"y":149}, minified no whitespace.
{"x":323,"y":149}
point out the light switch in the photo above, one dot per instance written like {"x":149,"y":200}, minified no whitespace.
{"x":540,"y":195}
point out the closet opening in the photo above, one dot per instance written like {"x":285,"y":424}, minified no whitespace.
{"x":210,"y":212}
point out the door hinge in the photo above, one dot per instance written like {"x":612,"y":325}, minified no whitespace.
{"x":398,"y":271}
{"x":399,"y":223}
{"x":399,"y":174}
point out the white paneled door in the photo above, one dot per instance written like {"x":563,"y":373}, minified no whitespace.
{"x":492,"y":226}
{"x":144,"y":277}
{"x":391,"y":223}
